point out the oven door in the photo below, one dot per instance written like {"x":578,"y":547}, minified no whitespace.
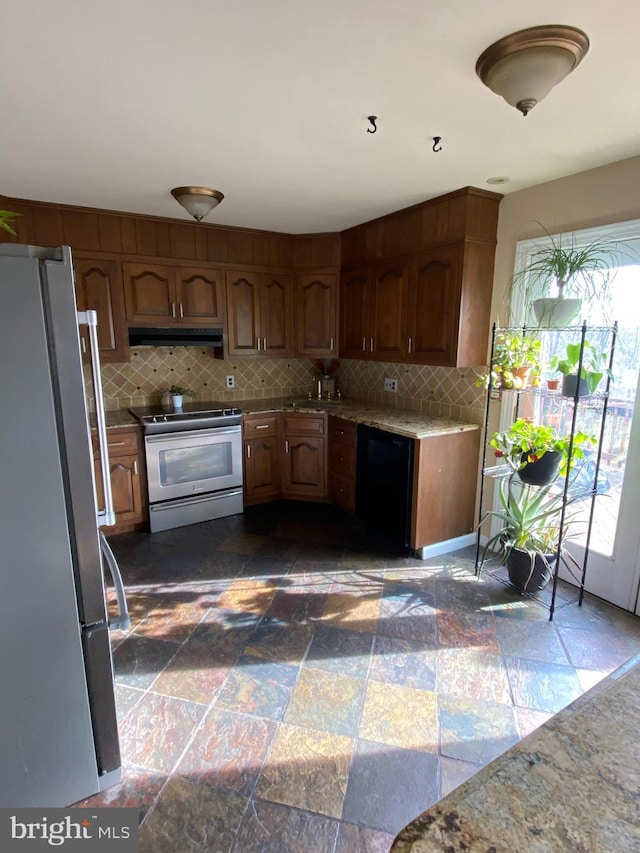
{"x":180,"y":464}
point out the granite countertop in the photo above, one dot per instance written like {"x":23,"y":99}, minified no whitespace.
{"x":412,"y":424}
{"x":115,"y":419}
{"x":571,"y":785}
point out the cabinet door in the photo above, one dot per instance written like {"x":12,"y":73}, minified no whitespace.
{"x":99,"y":288}
{"x":317,"y":315}
{"x":261,"y":469}
{"x":150,"y":294}
{"x":243,"y":313}
{"x":304,"y":469}
{"x":276,"y":315}
{"x":200,"y":296}
{"x":433,"y":307}
{"x":354,"y":316}
{"x":388,"y":311}
{"x":126,"y":488}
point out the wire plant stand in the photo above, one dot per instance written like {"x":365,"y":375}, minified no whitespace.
{"x":558,"y":593}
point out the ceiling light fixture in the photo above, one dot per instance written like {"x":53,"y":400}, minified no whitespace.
{"x":525,"y":66}
{"x":198,"y":201}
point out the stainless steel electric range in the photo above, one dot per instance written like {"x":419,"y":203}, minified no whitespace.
{"x":194,"y":462}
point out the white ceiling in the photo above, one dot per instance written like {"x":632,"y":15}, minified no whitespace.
{"x":110,"y":103}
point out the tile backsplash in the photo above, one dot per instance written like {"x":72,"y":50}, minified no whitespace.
{"x":151,"y":370}
{"x":441,"y":391}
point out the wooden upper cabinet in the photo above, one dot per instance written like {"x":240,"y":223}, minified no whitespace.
{"x":433,"y":306}
{"x":387,"y":312}
{"x":317,"y":315}
{"x":354,"y":313}
{"x":259,"y":314}
{"x":163,"y":295}
{"x":243,"y":312}
{"x":99,"y":288}
{"x":200,"y":296}
{"x":373,"y":313}
{"x":276,"y":315}
{"x":150,"y":294}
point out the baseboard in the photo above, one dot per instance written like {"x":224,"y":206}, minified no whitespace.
{"x":444,"y":547}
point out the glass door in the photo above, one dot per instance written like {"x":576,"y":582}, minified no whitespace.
{"x":613,"y":565}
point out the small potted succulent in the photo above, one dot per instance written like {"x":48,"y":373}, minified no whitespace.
{"x":536,"y":452}
{"x":594,"y":367}
{"x":177,"y":394}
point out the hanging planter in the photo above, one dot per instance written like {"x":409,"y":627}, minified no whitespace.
{"x":541,"y":471}
{"x":556,"y":312}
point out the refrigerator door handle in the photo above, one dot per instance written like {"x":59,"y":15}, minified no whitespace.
{"x":123,"y":621}
{"x":90,"y":319}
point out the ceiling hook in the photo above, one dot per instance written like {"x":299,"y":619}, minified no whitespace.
{"x":372,"y":119}
{"x":436,"y":141}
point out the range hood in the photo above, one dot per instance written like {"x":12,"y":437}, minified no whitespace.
{"x":184,"y":337}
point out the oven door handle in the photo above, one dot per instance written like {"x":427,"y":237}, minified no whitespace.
{"x":193,"y":433}
{"x":90,"y":319}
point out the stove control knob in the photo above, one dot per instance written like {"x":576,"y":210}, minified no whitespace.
{"x":164,"y":418}
{"x":154,"y":420}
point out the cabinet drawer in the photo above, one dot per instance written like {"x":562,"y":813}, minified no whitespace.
{"x":304,"y":424}
{"x":342,"y":492}
{"x":342,"y":459}
{"x":253,"y":427}
{"x":120,"y":442}
{"x":346,"y":432}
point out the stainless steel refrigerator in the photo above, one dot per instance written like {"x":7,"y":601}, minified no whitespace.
{"x":58,"y":725}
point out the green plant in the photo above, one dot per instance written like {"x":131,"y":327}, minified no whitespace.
{"x":525,"y":442}
{"x":5,"y":217}
{"x":530,"y":519}
{"x":594,"y":364}
{"x":578,"y":270}
{"x":178,"y":389}
{"x":513,"y":352}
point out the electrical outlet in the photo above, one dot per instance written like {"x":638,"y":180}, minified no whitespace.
{"x":231,"y":381}
{"x":391,"y":385}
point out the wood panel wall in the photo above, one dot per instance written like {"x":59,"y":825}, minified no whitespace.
{"x":96,"y":231}
{"x":466,"y":214}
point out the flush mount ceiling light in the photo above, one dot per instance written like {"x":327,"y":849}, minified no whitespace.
{"x":525,"y":66}
{"x":198,"y":201}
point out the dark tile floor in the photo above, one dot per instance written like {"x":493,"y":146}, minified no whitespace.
{"x":290,"y":683}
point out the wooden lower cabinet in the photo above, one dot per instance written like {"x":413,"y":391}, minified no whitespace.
{"x":445,"y":474}
{"x":128,"y":484}
{"x":284,"y":457}
{"x":304,"y":460}
{"x":261,"y":458}
{"x":343,"y":438}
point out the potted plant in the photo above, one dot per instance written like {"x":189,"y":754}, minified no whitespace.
{"x":5,"y":218}
{"x":576,"y":271}
{"x":594,"y":367}
{"x":177,"y":393}
{"x":536,"y":452}
{"x":516,"y":361}
{"x":529,"y":538}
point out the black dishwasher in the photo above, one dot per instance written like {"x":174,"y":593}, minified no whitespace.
{"x":384,"y":482}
